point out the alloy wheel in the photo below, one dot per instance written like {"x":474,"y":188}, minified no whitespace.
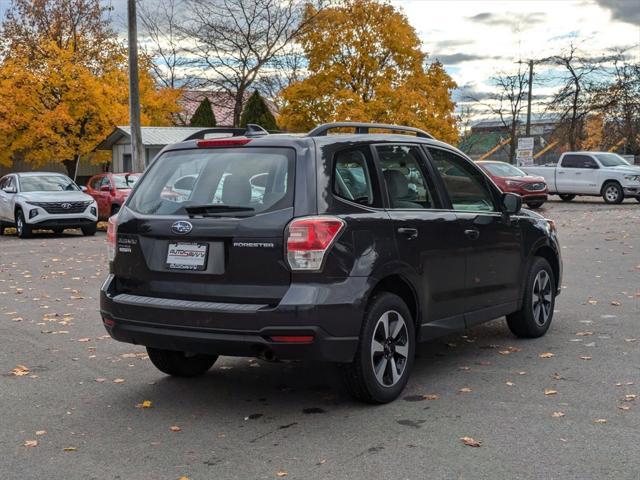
{"x":541,"y":298}
{"x":389,"y":348}
{"x":611,"y":193}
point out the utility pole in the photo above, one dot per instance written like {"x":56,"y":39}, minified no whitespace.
{"x":137,"y":150}
{"x":528,"y":127}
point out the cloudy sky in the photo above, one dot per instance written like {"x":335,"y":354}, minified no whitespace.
{"x":475,"y":39}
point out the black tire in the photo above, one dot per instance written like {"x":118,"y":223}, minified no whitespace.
{"x":534,"y":205}
{"x":638,"y":198}
{"x":2,"y":227}
{"x":360,"y":375}
{"x":114,"y":209}
{"x":23,"y":229}
{"x":89,"y":230}
{"x":612,"y":193}
{"x":566,"y":197}
{"x":179,"y":364}
{"x":529,"y":322}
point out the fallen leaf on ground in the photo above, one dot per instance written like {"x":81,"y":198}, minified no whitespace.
{"x":69,"y":449}
{"x":281,"y":474}
{"x":31,"y":443}
{"x":119,"y":380}
{"x":144,"y":404}
{"x":431,"y":397}
{"x":584,"y":334}
{"x":100,"y":379}
{"x":615,"y":303}
{"x":585,"y":357}
{"x":175,"y":428}
{"x":600,"y":420}
{"x":547,"y":355}
{"x":470,"y":442}
{"x":20,"y":371}
{"x":511,"y":384}
{"x":41,"y":432}
{"x":465,"y":390}
{"x":624,"y":407}
{"x":548,"y":391}
{"x":84,"y":339}
{"x":629,"y":398}
{"x":557,"y":414}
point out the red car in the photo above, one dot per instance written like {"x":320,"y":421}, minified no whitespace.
{"x":532,"y":189}
{"x":110,"y":190}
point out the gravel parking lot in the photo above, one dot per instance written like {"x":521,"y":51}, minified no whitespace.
{"x":77,"y":405}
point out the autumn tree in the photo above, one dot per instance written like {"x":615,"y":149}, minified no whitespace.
{"x":364,"y":69}
{"x":257,"y":111}
{"x":63,"y":83}
{"x":235,"y":41}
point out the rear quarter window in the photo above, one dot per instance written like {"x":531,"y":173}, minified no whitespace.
{"x":259,"y":179}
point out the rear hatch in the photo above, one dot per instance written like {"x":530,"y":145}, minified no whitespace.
{"x":208,"y":224}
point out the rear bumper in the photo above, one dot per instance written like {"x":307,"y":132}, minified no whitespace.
{"x":323,"y":312}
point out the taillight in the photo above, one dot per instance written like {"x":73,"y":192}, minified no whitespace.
{"x":223,"y":142}
{"x":112,"y":230}
{"x":308,"y":239}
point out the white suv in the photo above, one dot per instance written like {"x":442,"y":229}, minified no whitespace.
{"x":42,"y":200}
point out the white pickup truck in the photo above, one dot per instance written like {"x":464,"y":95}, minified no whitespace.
{"x":591,"y":173}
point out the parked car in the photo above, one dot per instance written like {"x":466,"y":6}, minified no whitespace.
{"x":42,"y":200}
{"x":531,"y":188}
{"x":591,"y":173}
{"x":110,"y":190}
{"x":359,"y":246}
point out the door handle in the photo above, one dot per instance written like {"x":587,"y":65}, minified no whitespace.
{"x":560,"y":173}
{"x":472,"y":233}
{"x":578,"y":173}
{"x":410,"y":233}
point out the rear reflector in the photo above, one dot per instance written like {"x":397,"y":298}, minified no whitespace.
{"x":308,"y":239}
{"x":108,"y":322}
{"x":223,"y":142}
{"x":112,"y":230}
{"x":292,"y":338}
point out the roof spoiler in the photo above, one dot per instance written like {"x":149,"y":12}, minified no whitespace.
{"x":252,"y":130}
{"x":364,"y":128}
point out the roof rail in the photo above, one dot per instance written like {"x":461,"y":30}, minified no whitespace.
{"x":322,"y":130}
{"x":252,"y":130}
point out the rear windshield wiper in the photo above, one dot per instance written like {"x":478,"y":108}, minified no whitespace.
{"x":210,"y":210}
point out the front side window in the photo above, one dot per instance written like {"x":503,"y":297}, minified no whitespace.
{"x":407,"y":186}
{"x":234,"y":181}
{"x":351,"y":179}
{"x":611,"y":160}
{"x":47,"y":183}
{"x":466,"y":186}
{"x":95,"y":183}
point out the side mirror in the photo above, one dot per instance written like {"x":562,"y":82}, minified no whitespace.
{"x":511,"y":203}
{"x":83,"y":188}
{"x":9,"y":190}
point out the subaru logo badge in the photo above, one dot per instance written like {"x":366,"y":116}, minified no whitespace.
{"x":181,"y":227}
{"x":66,"y":206}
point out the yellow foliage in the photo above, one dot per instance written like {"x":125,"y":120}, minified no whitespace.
{"x":57,"y":106}
{"x":366,"y":64}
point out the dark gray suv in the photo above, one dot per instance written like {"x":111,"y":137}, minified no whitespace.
{"x":345,"y":248}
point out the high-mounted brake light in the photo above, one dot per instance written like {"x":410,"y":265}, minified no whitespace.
{"x":112,"y":230}
{"x":222,"y":142}
{"x":309,"y":239}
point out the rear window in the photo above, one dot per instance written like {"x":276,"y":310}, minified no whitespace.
{"x":251,"y":180}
